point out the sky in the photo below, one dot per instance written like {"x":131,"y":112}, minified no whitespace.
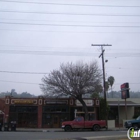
{"x":36,"y":36}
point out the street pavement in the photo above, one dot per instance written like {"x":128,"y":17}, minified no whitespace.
{"x":61,"y":130}
{"x":59,"y":134}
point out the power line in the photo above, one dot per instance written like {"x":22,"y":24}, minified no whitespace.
{"x":73,"y":14}
{"x":77,"y":32}
{"x":41,"y":47}
{"x":23,"y":72}
{"x":19,"y":82}
{"x":81,"y":21}
{"x":70,"y":47}
{"x":45,"y":52}
{"x":39,"y":24}
{"x":70,"y":4}
{"x":67,"y":53}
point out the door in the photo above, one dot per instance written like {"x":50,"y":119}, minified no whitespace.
{"x":78,"y":123}
{"x":56,"y":121}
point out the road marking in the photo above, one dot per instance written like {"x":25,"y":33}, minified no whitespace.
{"x":113,"y":136}
{"x":123,"y":139}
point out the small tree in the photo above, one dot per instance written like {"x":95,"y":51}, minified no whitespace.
{"x":97,"y":91}
{"x":106,"y":87}
{"x":104,"y":109}
{"x":74,"y":80}
{"x":111,"y":81}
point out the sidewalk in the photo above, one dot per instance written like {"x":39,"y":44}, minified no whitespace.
{"x":39,"y":130}
{"x":60,"y":130}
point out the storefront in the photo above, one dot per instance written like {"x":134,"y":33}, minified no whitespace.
{"x":46,"y":113}
{"x":54,"y":112}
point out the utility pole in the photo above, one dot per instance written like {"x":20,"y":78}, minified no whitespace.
{"x":103,"y":67}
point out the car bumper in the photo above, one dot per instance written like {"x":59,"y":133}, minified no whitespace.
{"x":127,"y":125}
{"x":63,"y":126}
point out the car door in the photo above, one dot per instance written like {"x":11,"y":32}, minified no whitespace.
{"x":78,"y":123}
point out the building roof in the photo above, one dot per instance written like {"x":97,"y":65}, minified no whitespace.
{"x":122,"y":103}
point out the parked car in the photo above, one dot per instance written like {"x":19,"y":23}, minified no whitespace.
{"x":80,"y":123}
{"x":133,"y":123}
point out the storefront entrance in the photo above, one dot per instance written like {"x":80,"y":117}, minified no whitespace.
{"x":25,"y":116}
{"x":56,"y":121}
{"x":54,"y":115}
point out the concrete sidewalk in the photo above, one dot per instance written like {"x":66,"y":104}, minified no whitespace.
{"x":59,"y":129}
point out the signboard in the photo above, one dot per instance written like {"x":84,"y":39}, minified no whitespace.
{"x":125,"y":91}
{"x":87,"y":102}
{"x":56,"y":102}
{"x":23,"y":101}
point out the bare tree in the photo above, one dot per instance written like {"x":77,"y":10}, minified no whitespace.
{"x":74,"y":80}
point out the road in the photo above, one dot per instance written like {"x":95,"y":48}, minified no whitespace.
{"x":62,"y":135}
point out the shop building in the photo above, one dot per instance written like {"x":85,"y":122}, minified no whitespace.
{"x":119,"y":109}
{"x":45,"y":112}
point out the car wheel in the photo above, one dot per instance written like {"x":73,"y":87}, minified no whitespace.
{"x":135,"y":126}
{"x":67,"y":128}
{"x":96,"y":127}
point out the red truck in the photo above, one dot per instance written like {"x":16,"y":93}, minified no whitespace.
{"x":80,"y":123}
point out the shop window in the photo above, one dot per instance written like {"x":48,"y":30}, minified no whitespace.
{"x":55,"y":120}
{"x":23,"y":109}
{"x":12,"y":109}
{"x":91,"y":109}
{"x":47,"y":119}
{"x":58,"y":109}
{"x":64,"y":110}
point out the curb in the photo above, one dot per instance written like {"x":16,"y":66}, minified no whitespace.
{"x":56,"y":130}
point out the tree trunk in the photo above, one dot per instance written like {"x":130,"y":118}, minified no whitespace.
{"x":111,"y":92}
{"x":85,"y":108}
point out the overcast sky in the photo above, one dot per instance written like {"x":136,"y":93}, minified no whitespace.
{"x":36,"y":36}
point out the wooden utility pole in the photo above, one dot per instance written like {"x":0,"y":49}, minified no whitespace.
{"x":103,"y":67}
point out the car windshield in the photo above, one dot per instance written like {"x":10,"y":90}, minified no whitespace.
{"x":138,"y":118}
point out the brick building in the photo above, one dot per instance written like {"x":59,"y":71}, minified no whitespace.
{"x":44,"y":112}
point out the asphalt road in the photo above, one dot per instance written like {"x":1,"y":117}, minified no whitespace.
{"x":63,"y":135}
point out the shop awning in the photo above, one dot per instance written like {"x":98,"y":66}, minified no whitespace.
{"x":122,"y":103}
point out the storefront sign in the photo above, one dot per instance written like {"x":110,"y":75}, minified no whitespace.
{"x":87,"y":102}
{"x":23,"y":101}
{"x":56,"y":102}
